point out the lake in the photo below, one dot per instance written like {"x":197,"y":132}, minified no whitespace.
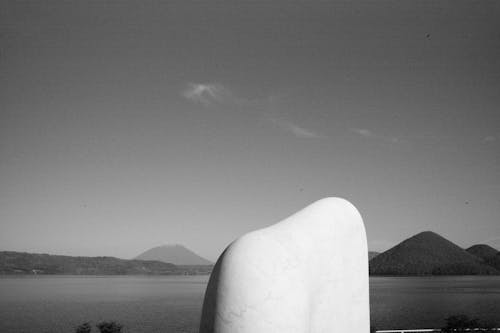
{"x":173,"y":303}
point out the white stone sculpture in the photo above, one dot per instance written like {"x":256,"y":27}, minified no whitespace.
{"x":307,"y":273}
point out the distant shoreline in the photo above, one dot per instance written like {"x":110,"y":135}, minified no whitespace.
{"x":21,"y":275}
{"x":22,"y":263}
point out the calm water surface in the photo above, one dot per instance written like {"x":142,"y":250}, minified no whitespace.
{"x":424,"y":302}
{"x":173,"y":304}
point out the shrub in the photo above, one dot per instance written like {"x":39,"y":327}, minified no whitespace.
{"x":83,"y":328}
{"x":109,"y":327}
{"x":459,"y":323}
{"x":489,"y":326}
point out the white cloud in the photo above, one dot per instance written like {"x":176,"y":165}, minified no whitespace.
{"x":301,"y":132}
{"x":363,"y":132}
{"x":205,"y":93}
{"x":298,"y":131}
{"x":366,"y":133}
{"x":209,"y":94}
{"x":213,"y":93}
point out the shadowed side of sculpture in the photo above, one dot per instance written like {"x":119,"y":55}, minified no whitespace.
{"x":210,"y":301}
{"x":307,"y":273}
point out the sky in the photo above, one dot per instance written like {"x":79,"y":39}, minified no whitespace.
{"x":130,"y":124}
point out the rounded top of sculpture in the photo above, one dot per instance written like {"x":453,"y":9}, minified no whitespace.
{"x":318,"y":221}
{"x":331,"y":207}
{"x":333,"y":202}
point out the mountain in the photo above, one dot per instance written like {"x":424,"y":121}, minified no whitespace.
{"x":482,"y":251}
{"x":34,"y":263}
{"x":428,"y":253}
{"x":494,"y":261}
{"x":372,"y":254}
{"x":487,"y":254}
{"x":175,"y":254}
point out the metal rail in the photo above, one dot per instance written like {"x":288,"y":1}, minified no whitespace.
{"x":410,"y":331}
{"x":438,"y":330}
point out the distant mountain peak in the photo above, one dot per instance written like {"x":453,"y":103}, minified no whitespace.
{"x":427,"y":235}
{"x":176,"y":254}
{"x":483,"y":246}
{"x":428,"y":232}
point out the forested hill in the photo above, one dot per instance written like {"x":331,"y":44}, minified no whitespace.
{"x":487,"y":254}
{"x":33,"y":263}
{"x":482,"y":251}
{"x":428,"y":253}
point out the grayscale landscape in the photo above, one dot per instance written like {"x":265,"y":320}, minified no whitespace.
{"x":139,"y":139}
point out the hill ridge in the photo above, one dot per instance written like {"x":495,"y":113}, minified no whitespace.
{"x":428,"y":253}
{"x":12,"y":262}
{"x":487,"y":254}
{"x":482,"y":251}
{"x":21,"y":263}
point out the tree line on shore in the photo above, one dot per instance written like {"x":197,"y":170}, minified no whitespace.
{"x":463,"y":323}
{"x":103,"y":327}
{"x":455,"y":323}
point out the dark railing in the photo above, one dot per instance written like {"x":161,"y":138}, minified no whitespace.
{"x":418,"y":330}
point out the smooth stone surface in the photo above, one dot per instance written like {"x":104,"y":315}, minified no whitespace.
{"x":307,"y":273}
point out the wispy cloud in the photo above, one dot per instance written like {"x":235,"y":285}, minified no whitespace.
{"x":363,"y":132}
{"x":489,"y":138}
{"x":296,"y":130}
{"x":210,"y":94}
{"x":301,"y":132}
{"x":368,"y":134}
{"x":205,"y":93}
